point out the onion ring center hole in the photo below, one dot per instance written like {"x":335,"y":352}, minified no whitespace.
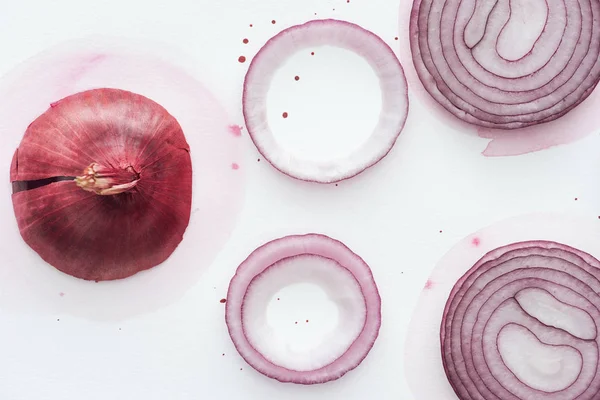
{"x":332,"y":108}
{"x":281,"y":300}
{"x":541,"y":366}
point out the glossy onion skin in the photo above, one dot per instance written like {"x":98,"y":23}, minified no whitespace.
{"x":455,"y":45}
{"x":96,"y":237}
{"x":485,"y":301}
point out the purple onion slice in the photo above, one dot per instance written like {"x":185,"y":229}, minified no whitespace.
{"x":507,"y":64}
{"x":319,"y":33}
{"x":343,"y":276}
{"x":523,"y":323}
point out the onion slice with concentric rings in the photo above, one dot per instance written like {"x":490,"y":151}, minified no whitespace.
{"x":343,"y":276}
{"x":507,"y":64}
{"x":341,"y":34}
{"x":523,"y":323}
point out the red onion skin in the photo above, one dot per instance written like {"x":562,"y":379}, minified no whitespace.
{"x":513,"y":268}
{"x":96,"y":237}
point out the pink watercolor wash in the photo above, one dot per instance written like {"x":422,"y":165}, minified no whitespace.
{"x":26,"y":282}
{"x":235,"y":130}
{"x":580,"y":122}
{"x":424,"y":369}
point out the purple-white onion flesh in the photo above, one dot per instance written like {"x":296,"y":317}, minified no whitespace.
{"x":344,"y":277}
{"x":523,"y":324}
{"x":309,"y":35}
{"x":507,"y":64}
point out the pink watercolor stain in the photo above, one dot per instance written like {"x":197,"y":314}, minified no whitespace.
{"x":235,"y":166}
{"x":428,"y":285}
{"x":476,"y":241}
{"x":578,"y":123}
{"x":235,"y":130}
{"x":61,"y":294}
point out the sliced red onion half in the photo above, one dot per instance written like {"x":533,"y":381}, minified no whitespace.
{"x":344,"y":277}
{"x":507,"y":64}
{"x":523,"y":323}
{"x":309,"y":35}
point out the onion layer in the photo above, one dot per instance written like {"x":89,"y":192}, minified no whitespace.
{"x":507,"y":64}
{"x":318,"y":33}
{"x":128,"y":201}
{"x":523,"y":323}
{"x":303,"y":258}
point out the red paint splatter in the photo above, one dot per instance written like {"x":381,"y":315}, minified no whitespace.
{"x":307,"y":321}
{"x":297,"y":78}
{"x":428,"y":284}
{"x":312,"y":53}
{"x":245,"y":41}
{"x":223,"y":300}
{"x":284,"y":115}
{"x":476,"y":242}
{"x":242,"y":59}
{"x":235,"y":166}
{"x":250,"y":25}
{"x":236,"y":130}
{"x":273,"y":22}
{"x":396,"y":38}
{"x":440,"y":231}
{"x":61,"y":294}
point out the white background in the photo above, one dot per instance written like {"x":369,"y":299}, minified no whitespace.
{"x":435,"y":179}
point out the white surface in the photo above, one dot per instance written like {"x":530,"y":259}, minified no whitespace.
{"x":434,"y":179}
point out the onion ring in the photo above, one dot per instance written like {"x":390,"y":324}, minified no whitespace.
{"x":463,"y":51}
{"x":335,"y":33}
{"x":261,"y":274}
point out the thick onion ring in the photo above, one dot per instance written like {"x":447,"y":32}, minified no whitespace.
{"x":455,"y":52}
{"x":317,"y":33}
{"x":265,"y":257}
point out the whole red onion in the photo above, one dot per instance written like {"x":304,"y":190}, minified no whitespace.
{"x":102,"y":184}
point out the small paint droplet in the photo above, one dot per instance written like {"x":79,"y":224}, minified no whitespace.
{"x":476,"y":241}
{"x":336,"y":184}
{"x":297,"y":78}
{"x":258,"y":160}
{"x":235,"y":166}
{"x":241,"y":369}
{"x":278,"y":299}
{"x":312,"y":53}
{"x":575,"y":198}
{"x":236,"y":130}
{"x":428,"y":284}
{"x":273,"y":22}
{"x":245,"y":41}
{"x":296,"y":322}
{"x":440,"y":231}
{"x":250,"y":25}
{"x":307,"y":321}
{"x":396,"y":38}
{"x":61,"y":294}
{"x":242,"y":59}
{"x":284,"y":115}
{"x":223,"y":300}
{"x":315,"y":13}
{"x":223,"y":354}
{"x":58,"y":319}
